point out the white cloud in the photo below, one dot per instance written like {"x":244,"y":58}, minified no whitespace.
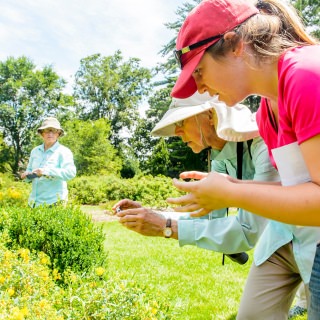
{"x":61,"y":32}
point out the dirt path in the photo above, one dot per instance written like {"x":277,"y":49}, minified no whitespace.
{"x":98,"y":214}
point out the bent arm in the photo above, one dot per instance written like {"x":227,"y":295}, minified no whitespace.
{"x":65,"y":169}
{"x":232,"y":234}
{"x":298,"y":204}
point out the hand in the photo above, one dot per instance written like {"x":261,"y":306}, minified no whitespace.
{"x":142,"y":220}
{"x":23,"y":175}
{"x":38,"y":172}
{"x":193,"y":175}
{"x":209,"y":193}
{"x":126,"y":204}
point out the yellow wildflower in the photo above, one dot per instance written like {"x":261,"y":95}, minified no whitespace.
{"x":11,"y":292}
{"x":100,"y":271}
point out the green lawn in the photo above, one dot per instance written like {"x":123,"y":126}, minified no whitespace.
{"x":194,"y":280}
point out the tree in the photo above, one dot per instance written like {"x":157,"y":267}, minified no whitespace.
{"x":91,"y":147}
{"x":310,"y":12}
{"x":107,"y":87}
{"x":159,"y":161}
{"x":27,"y":94}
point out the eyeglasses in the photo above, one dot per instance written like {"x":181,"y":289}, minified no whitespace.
{"x":53,"y":130}
{"x":179,"y":123}
{"x":179,"y":53}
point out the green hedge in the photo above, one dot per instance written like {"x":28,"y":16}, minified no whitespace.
{"x":66,"y":234}
{"x":151,"y":191}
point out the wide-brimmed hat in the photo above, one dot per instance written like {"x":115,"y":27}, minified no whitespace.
{"x":51,"y":122}
{"x":205,"y":25}
{"x":235,"y":123}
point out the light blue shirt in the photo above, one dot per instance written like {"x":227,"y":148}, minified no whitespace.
{"x":58,"y":166}
{"x":241,"y":232}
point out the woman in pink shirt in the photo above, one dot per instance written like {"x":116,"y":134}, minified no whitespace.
{"x":234,"y":49}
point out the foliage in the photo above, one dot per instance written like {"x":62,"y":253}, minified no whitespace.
{"x":147,"y":189}
{"x":91,"y":147}
{"x":13,"y":192}
{"x":159,"y":160}
{"x":310,"y":12}
{"x":27,"y":95}
{"x":29,"y":290}
{"x":107,"y":87}
{"x":65,"y":234}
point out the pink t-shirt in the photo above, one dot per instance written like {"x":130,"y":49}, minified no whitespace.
{"x":298,"y":100}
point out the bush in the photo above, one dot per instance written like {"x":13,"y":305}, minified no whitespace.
{"x":149,"y":190}
{"x":28,"y":290}
{"x":13,"y":192}
{"x":66,"y":234}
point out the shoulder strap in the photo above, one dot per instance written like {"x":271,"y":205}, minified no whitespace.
{"x":239,"y":159}
{"x":249,"y":143}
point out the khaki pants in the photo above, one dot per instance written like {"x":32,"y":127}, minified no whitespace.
{"x":271,"y":287}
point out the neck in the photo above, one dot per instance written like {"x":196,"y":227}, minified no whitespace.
{"x":48,"y":145}
{"x":264,"y":82}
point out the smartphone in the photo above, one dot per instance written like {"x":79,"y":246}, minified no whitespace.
{"x":32,"y":176}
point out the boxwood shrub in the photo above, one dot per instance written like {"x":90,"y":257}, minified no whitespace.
{"x":66,"y":234}
{"x":149,"y":190}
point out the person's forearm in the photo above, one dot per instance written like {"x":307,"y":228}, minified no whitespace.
{"x":299,"y":204}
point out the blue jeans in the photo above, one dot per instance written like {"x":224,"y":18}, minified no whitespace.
{"x":314,"y":286}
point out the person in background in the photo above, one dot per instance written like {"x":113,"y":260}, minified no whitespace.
{"x":50,"y":166}
{"x":200,"y":124}
{"x":238,"y":48}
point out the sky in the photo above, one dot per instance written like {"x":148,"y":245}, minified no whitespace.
{"x":62,"y":32}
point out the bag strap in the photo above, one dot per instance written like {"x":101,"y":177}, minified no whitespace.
{"x":239,"y":172}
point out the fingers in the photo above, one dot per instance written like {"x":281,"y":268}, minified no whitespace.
{"x":125,"y":204}
{"x":199,"y":213}
{"x":185,"y":186}
{"x":193,"y":175}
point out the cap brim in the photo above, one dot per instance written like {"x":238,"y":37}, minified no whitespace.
{"x":185,"y":85}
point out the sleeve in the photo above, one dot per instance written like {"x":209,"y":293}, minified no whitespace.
{"x":300,"y":90}
{"x":235,"y":233}
{"x":66,"y":169}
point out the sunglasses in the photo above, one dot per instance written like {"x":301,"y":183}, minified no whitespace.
{"x":179,"y":53}
{"x":53,"y":130}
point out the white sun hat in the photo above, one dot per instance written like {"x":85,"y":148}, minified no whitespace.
{"x":235,"y":123}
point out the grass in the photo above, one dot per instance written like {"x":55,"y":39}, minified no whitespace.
{"x":194,"y":281}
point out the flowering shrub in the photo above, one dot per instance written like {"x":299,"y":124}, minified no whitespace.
{"x":13,"y":192}
{"x":28,"y":290}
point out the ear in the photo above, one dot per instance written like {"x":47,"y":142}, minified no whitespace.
{"x":212,"y":117}
{"x":235,"y":43}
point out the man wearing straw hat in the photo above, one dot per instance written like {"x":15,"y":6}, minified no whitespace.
{"x":50,"y":166}
{"x":202,"y":124}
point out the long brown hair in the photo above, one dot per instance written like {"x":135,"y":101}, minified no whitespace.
{"x":276,"y":28}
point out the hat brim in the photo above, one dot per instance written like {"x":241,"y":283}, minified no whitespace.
{"x":235,"y":123}
{"x":62,"y":133}
{"x":185,"y":85}
{"x":166,"y":126}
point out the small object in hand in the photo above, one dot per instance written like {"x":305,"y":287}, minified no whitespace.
{"x":32,"y":176}
{"x":118,"y":209}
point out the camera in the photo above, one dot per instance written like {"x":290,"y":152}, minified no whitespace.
{"x":32,"y":176}
{"x":241,"y":257}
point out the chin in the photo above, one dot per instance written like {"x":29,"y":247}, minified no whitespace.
{"x":228,"y":102}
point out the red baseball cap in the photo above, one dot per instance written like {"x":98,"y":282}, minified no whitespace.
{"x":203,"y":27}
